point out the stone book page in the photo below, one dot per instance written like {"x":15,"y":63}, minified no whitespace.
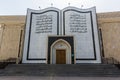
{"x":40,"y":24}
{"x":81,"y":23}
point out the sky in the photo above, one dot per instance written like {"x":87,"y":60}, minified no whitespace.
{"x":19,"y":7}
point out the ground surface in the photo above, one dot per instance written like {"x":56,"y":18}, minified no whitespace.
{"x":56,"y":78}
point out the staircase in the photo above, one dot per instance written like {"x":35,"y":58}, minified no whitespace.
{"x":83,"y":70}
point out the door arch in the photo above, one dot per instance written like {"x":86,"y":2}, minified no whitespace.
{"x":60,"y":44}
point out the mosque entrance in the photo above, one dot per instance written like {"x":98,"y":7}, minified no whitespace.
{"x":60,"y":50}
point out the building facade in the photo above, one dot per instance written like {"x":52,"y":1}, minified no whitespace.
{"x":12,"y":36}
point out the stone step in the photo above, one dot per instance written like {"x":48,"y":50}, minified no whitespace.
{"x":61,"y":70}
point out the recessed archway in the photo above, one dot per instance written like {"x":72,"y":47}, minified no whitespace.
{"x":60,"y":45}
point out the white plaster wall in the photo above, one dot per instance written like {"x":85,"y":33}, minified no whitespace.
{"x":38,"y":41}
{"x":83,"y":41}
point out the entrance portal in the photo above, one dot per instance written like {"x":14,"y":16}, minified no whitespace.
{"x":60,"y":52}
{"x":60,"y":57}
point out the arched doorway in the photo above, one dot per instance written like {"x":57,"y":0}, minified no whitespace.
{"x":60,"y":52}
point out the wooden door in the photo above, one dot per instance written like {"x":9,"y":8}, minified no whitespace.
{"x":60,"y":57}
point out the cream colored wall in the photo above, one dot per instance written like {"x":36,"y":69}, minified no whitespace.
{"x":110,"y":27}
{"x":1,"y":33}
{"x":10,"y":34}
{"x":10,"y":42}
{"x":11,"y":27}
